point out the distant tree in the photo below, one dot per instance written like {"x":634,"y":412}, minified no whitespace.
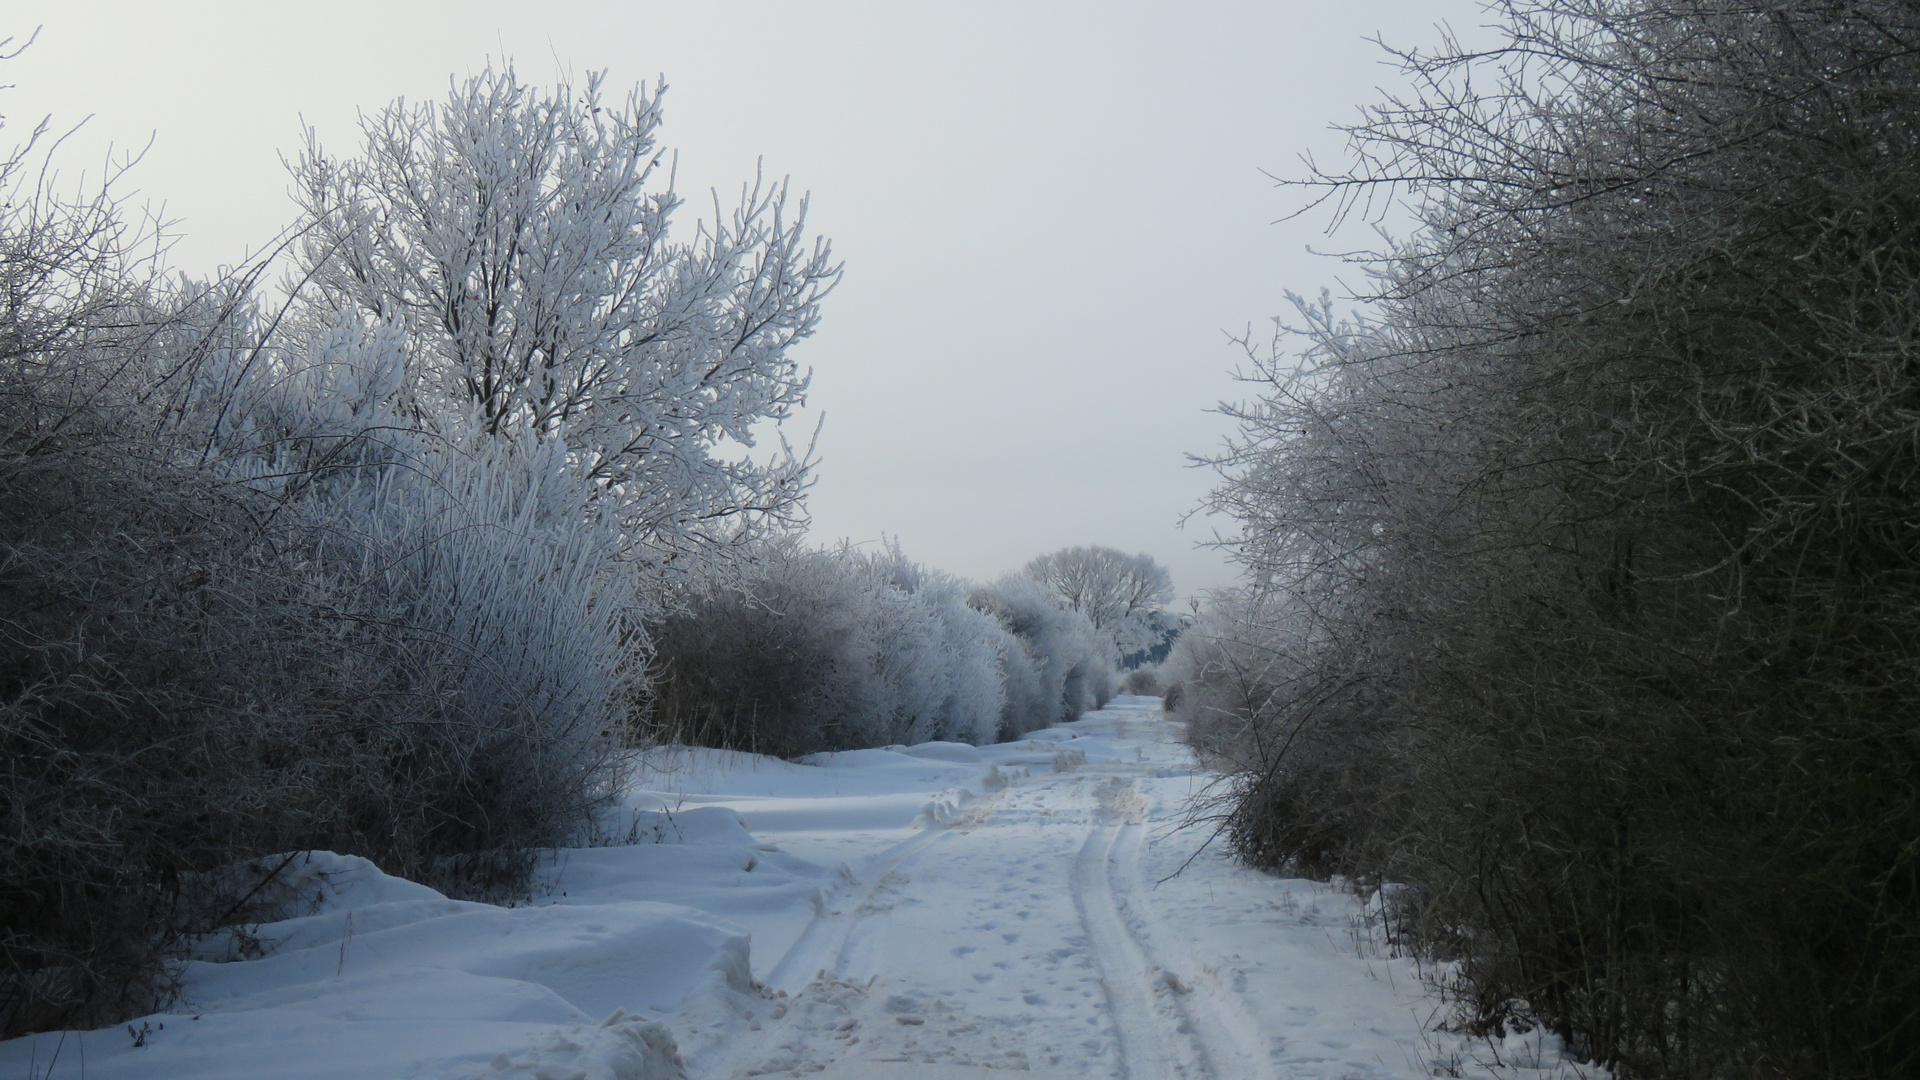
{"x":1163,"y":629}
{"x":1117,"y":592}
{"x":522,"y":237}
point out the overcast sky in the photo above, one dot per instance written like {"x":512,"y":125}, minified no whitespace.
{"x":1051,"y":213}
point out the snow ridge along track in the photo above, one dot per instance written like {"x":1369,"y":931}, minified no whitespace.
{"x":828,"y":945}
{"x":1213,"y":1016}
{"x":824,"y":946}
{"x":1157,"y":1038}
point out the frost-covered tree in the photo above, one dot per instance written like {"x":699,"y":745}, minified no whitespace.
{"x":521,"y":237}
{"x":1117,"y":592}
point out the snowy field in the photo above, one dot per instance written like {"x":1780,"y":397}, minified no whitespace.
{"x":931,"y":911}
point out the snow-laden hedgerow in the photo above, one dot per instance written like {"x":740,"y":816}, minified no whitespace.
{"x":793,"y":650}
{"x":1593,"y":547}
{"x":253,"y":609}
{"x":1064,"y":666}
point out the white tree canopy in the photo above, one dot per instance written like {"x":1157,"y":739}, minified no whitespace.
{"x":1114,"y":590}
{"x":521,"y":235}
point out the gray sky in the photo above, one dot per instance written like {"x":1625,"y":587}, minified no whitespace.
{"x":1050,"y":212}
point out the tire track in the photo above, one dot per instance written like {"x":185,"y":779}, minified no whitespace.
{"x":811,"y":1003}
{"x":1156,"y":1037}
{"x":819,"y":990}
{"x":1214,"y":1017}
{"x":830,"y":942}
{"x":823,"y":947}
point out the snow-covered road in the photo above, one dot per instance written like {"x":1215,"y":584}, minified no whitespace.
{"x":923,"y":911}
{"x":1029,"y":928}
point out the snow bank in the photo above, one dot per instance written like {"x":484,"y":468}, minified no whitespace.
{"x":683,"y":776}
{"x":372,"y":975}
{"x":963,"y":753}
{"x":638,"y":955}
{"x":359,"y":973}
{"x":701,"y":825}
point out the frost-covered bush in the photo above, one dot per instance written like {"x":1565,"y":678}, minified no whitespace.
{"x":1222,"y":674}
{"x":152,"y":711}
{"x":1141,"y":682}
{"x":1596,"y":540}
{"x":364,"y":574}
{"x":1068,"y":658}
{"x":132,"y":598}
{"x":468,"y":575}
{"x":791,"y":650}
{"x":498,"y":615}
{"x":960,"y":665}
{"x":1252,"y":688}
{"x":163,"y":669}
{"x":248,"y":610}
{"x":1030,"y":701}
{"x":774,"y":654}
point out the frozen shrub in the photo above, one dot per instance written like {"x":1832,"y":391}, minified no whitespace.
{"x":247,"y":612}
{"x":1221,"y":676}
{"x":151,"y":719}
{"x":1029,"y":697}
{"x":791,"y":650}
{"x":140,"y":735}
{"x":965,"y":670}
{"x":1068,"y":657}
{"x":467,"y":577}
{"x":1591,"y":561}
{"x":774,"y":654}
{"x":491,"y":598}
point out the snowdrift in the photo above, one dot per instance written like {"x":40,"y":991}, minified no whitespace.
{"x":358,"y":973}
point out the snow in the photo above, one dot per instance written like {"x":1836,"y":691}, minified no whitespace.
{"x":927,"y":911}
